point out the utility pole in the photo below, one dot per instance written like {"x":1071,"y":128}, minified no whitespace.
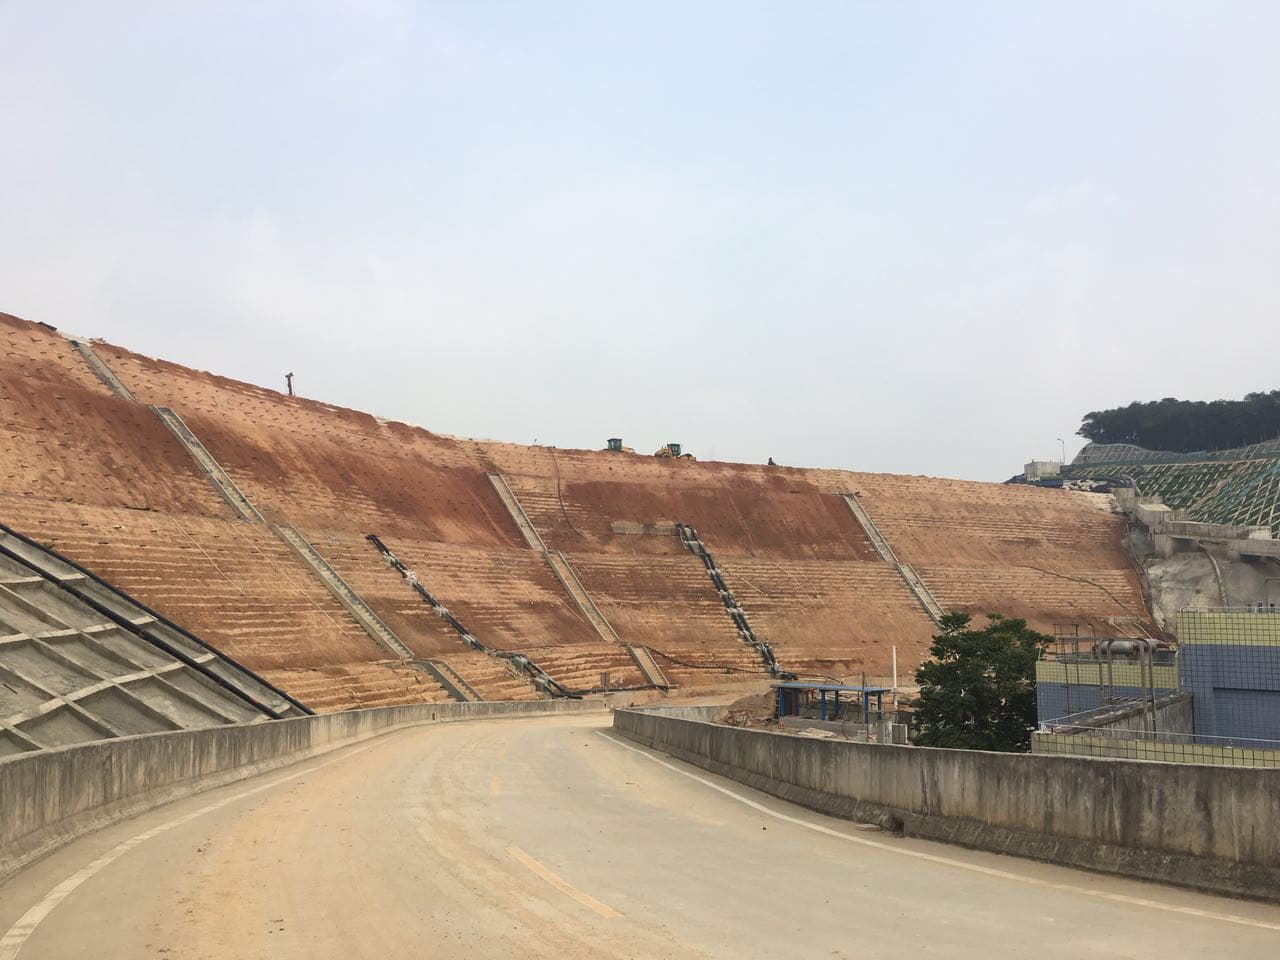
{"x":288,"y":379}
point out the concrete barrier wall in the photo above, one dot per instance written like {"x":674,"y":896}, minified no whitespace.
{"x":1207,"y":827}
{"x":693,"y":712}
{"x":1174,"y":716}
{"x":48,"y":798}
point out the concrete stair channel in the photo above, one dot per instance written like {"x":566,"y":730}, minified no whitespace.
{"x":522,"y":663}
{"x":452,"y":681}
{"x":81,"y":660}
{"x":568,"y":578}
{"x":692,"y":543}
{"x":369,"y":621}
{"x":492,"y":678}
{"x":573,"y":585}
{"x":101,"y":370}
{"x":220,"y":479}
{"x":508,"y":497}
{"x":909,"y":576}
{"x":649,"y":666}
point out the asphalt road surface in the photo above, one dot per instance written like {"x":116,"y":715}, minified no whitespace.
{"x":547,"y":837}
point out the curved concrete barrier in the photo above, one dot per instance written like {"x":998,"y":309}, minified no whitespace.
{"x":1211,"y":828}
{"x":50,"y":797}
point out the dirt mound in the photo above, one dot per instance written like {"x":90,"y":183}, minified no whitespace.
{"x":756,"y":710}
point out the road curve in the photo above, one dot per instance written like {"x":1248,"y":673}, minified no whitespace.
{"x":548,"y":838}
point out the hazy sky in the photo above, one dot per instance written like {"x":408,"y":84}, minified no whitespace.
{"x":911,"y":237}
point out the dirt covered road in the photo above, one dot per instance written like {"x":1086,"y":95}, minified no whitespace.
{"x":549,"y":838}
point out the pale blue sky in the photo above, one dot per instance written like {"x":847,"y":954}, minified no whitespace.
{"x":911,"y":237}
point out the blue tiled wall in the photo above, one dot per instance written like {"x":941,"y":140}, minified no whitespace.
{"x":1236,"y":689}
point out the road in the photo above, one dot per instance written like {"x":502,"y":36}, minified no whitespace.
{"x":549,"y":838}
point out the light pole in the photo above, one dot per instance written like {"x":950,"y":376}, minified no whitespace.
{"x":1064,"y":450}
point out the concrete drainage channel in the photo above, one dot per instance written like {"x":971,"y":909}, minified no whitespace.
{"x":1129,"y":817}
{"x":692,"y":542}
{"x":542,"y":680}
{"x":50,"y":797}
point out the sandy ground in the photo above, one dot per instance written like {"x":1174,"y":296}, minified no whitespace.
{"x":546,"y":838}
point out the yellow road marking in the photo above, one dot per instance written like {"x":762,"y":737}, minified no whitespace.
{"x":495,"y":786}
{"x":563,"y":885}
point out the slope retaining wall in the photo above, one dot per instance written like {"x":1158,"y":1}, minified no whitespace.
{"x":1204,"y":827}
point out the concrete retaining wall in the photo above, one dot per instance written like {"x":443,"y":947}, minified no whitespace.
{"x":692,"y":712}
{"x":1205,"y":827}
{"x":1174,"y":715}
{"x":50,"y":797}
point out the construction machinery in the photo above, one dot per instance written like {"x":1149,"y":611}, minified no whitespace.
{"x":672,"y":451}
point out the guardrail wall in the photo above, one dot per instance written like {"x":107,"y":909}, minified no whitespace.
{"x":1204,"y":827}
{"x":50,"y":797}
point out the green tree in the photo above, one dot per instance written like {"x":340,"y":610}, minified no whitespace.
{"x":1185,"y":426}
{"x":979,"y":690}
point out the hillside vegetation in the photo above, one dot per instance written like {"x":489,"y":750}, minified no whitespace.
{"x":1183,"y":426}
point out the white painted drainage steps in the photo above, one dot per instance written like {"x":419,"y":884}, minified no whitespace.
{"x":573,"y":586}
{"x":912,"y":579}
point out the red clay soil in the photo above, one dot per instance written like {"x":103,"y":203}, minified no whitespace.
{"x":779,"y":513}
{"x":332,"y":467}
{"x":669,"y":605}
{"x":64,"y":435}
{"x":1047,"y":600}
{"x":357,"y":685}
{"x":492,"y":678}
{"x":233,"y":584}
{"x":387,"y":593}
{"x":507,"y":599}
{"x":790,"y":548}
{"x":759,"y":710}
{"x":827,"y":618}
{"x":965,"y":523}
{"x":35,"y":352}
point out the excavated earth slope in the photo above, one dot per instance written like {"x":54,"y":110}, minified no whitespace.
{"x":98,"y":477}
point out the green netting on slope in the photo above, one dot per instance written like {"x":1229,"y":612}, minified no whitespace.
{"x":1178,"y":484}
{"x":1128,"y":453}
{"x":1237,"y":492}
{"x":1249,"y":496}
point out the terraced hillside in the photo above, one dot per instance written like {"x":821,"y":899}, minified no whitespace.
{"x":577,"y":563}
